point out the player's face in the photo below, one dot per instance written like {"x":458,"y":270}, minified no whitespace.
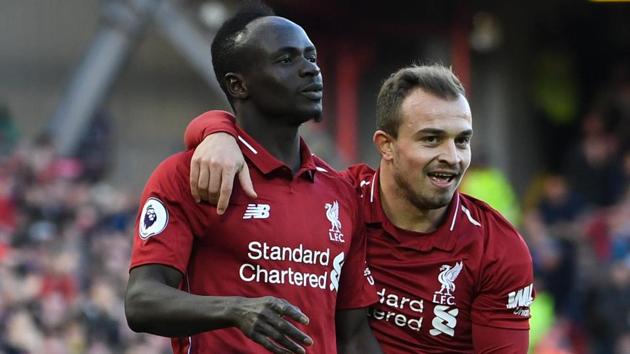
{"x":284,"y":80}
{"x":432,"y":151}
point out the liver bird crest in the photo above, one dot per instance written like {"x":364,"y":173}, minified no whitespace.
{"x":447,"y":277}
{"x":332,"y":213}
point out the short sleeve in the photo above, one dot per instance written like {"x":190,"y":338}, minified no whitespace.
{"x":356,"y":288}
{"x":163,"y":232}
{"x":208,"y":123}
{"x":506,"y":288}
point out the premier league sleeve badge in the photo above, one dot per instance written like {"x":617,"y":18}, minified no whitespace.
{"x":153,"y":219}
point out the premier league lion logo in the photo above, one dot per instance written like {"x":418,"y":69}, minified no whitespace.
{"x":149,"y":217}
{"x":154,"y":218}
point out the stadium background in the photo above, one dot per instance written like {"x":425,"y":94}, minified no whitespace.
{"x":94,"y":94}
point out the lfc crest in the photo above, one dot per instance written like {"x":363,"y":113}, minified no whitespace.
{"x":332,"y":213}
{"x":447,"y":277}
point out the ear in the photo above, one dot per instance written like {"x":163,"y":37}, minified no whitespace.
{"x":236,"y":86}
{"x":384,"y":144}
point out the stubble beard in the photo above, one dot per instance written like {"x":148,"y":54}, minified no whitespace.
{"x":422,"y":201}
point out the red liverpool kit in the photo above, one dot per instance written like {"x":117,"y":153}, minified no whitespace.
{"x":474,"y":269}
{"x":302,"y":239}
{"x":473,"y":272}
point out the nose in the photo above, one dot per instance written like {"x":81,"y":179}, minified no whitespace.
{"x":309,"y":68}
{"x":449,"y":153}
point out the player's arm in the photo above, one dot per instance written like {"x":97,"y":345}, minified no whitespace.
{"x":217,"y":159}
{"x":491,"y":340}
{"x":501,"y":309}
{"x":153,"y":304}
{"x":354,"y":334}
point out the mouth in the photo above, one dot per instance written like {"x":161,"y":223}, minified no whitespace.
{"x":442,"y":179}
{"x":313,"y":91}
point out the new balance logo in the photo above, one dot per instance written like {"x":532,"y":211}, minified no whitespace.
{"x":257,"y":211}
{"x":521,"y":297}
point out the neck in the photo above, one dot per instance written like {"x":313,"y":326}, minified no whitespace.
{"x":280,"y":140}
{"x":401,"y":211}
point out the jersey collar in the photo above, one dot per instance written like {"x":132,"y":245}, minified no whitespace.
{"x":443,"y":238}
{"x":267,"y":164}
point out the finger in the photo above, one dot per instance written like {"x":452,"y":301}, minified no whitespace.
{"x":264,"y":339}
{"x":287,"y":329}
{"x":194,"y":179}
{"x":226,"y":191}
{"x":202,"y":182}
{"x":293,"y":312}
{"x":281,"y":336}
{"x":214,"y":184}
{"x":246,"y":182}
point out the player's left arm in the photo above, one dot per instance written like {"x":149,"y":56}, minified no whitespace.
{"x":492,"y":340}
{"x":354,"y":334}
{"x":501,"y":308}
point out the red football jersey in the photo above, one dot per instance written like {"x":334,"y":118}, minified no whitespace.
{"x":302,"y":239}
{"x":475,"y":268}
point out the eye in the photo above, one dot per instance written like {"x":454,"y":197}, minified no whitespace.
{"x":430,"y":139}
{"x":312,"y":59}
{"x":285,"y":60}
{"x":463,"y":141}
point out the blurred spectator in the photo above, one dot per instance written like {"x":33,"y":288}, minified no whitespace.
{"x":9,"y":134}
{"x":593,"y":167}
{"x":493,"y":187}
{"x":64,"y":250}
{"x":607,"y":309}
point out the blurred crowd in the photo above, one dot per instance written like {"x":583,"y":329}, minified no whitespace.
{"x":577,"y":223}
{"x":64,"y":252}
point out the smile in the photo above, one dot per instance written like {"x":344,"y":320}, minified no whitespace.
{"x":442,"y":179}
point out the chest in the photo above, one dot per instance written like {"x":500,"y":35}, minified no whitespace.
{"x":288,"y":220}
{"x":428,"y":294}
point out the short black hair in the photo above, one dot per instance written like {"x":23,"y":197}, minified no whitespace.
{"x":225,"y":58}
{"x":435,"y":79}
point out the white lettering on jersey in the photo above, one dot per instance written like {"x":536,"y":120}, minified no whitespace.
{"x":444,"y":321}
{"x":257,"y":211}
{"x":335,"y":274}
{"x":367,"y":273}
{"x":520,"y":298}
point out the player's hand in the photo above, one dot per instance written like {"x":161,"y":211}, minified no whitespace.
{"x":266,"y":321}
{"x":214,"y":164}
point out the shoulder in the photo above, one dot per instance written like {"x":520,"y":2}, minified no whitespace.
{"x":336,"y":179}
{"x":172,"y":173}
{"x":500,"y":237}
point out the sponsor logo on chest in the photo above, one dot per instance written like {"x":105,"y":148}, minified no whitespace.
{"x":445,"y":309}
{"x":273,"y":263}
